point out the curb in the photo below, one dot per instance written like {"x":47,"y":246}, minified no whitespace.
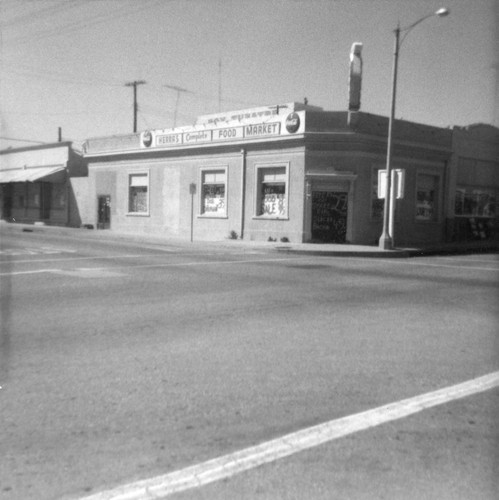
{"x":390,"y":254}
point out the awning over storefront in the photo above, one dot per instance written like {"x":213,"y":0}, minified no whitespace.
{"x":33,"y":174}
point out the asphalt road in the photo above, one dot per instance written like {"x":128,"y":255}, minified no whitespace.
{"x":126,"y":359}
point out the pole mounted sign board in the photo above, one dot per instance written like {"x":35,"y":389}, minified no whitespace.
{"x":398,"y":183}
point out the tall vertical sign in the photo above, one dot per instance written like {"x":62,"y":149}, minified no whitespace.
{"x":355,"y":81}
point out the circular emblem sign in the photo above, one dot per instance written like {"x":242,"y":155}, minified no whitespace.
{"x":147,"y":139}
{"x":292,"y":123}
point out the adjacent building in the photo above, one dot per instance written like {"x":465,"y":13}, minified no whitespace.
{"x":44,"y":183}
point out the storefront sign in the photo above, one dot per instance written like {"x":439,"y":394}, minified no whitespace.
{"x":168,"y":140}
{"x":147,"y":138}
{"x":225,"y":134}
{"x":165,"y":139}
{"x":292,"y":123}
{"x":197,"y":137}
{"x":261,"y":113}
{"x":262,"y":130}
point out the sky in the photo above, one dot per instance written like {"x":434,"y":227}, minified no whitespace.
{"x":66,"y":63}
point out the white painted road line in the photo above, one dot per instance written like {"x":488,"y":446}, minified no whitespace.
{"x":469,"y":268}
{"x":36,"y":271}
{"x":155,"y":266}
{"x":255,"y":456}
{"x":415,"y":263}
{"x":381,"y":262}
{"x":71,"y":259}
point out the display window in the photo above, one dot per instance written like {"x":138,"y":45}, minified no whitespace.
{"x":272,"y":192}
{"x":427,"y":198}
{"x":214,"y":192}
{"x":475,"y":202}
{"x":138,"y":193}
{"x":59,"y":196}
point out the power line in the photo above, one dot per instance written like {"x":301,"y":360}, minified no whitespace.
{"x":82,"y":24}
{"x":21,"y":140}
{"x":40,"y":13}
{"x":51,"y":76}
{"x":178,"y":90}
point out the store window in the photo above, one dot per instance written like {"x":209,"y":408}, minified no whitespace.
{"x":138,"y":193}
{"x":59,"y":196}
{"x":485,"y":203}
{"x":272,"y":192}
{"x":427,"y":198}
{"x":475,"y":202}
{"x":459,"y":202}
{"x":33,"y":195}
{"x":213,"y":192}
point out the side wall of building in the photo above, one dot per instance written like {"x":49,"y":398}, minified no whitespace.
{"x":350,"y":161}
{"x":207,"y":196}
{"x":274,"y":217}
{"x":170,"y":193}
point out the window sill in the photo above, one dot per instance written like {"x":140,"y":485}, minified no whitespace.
{"x":212,"y":216}
{"x":138,"y":214}
{"x":267,"y":217}
{"x":467,"y":216}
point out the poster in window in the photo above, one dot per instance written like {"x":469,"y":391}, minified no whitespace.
{"x":138,"y":199}
{"x":425,"y":204}
{"x":214,"y":199}
{"x":273,"y":200}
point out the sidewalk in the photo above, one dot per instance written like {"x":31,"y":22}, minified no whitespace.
{"x":374,"y":251}
{"x":318,"y":249}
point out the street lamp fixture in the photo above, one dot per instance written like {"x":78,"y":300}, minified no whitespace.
{"x":386,"y":239}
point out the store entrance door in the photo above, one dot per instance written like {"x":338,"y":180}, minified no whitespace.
{"x":329,"y":216}
{"x":46,"y":200}
{"x":104,"y":212}
{"x":8,"y":196}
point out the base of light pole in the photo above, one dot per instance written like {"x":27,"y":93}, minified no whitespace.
{"x":385,"y":242}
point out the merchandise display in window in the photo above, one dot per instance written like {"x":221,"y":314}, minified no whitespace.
{"x":272,"y":192}
{"x":426,"y":198}
{"x":138,"y":201}
{"x":273,"y":200}
{"x":213,"y":193}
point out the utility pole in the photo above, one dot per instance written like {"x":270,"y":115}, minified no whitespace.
{"x":135,"y":106}
{"x":178,"y":90}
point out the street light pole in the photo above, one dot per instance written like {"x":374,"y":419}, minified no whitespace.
{"x":386,"y":241}
{"x":386,"y":238}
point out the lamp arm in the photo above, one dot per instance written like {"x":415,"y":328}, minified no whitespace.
{"x":408,"y":29}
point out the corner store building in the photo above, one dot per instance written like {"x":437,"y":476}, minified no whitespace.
{"x":291,"y":171}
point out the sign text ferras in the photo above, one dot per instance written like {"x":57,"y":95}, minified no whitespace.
{"x":253,"y":131}
{"x":166,"y":140}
